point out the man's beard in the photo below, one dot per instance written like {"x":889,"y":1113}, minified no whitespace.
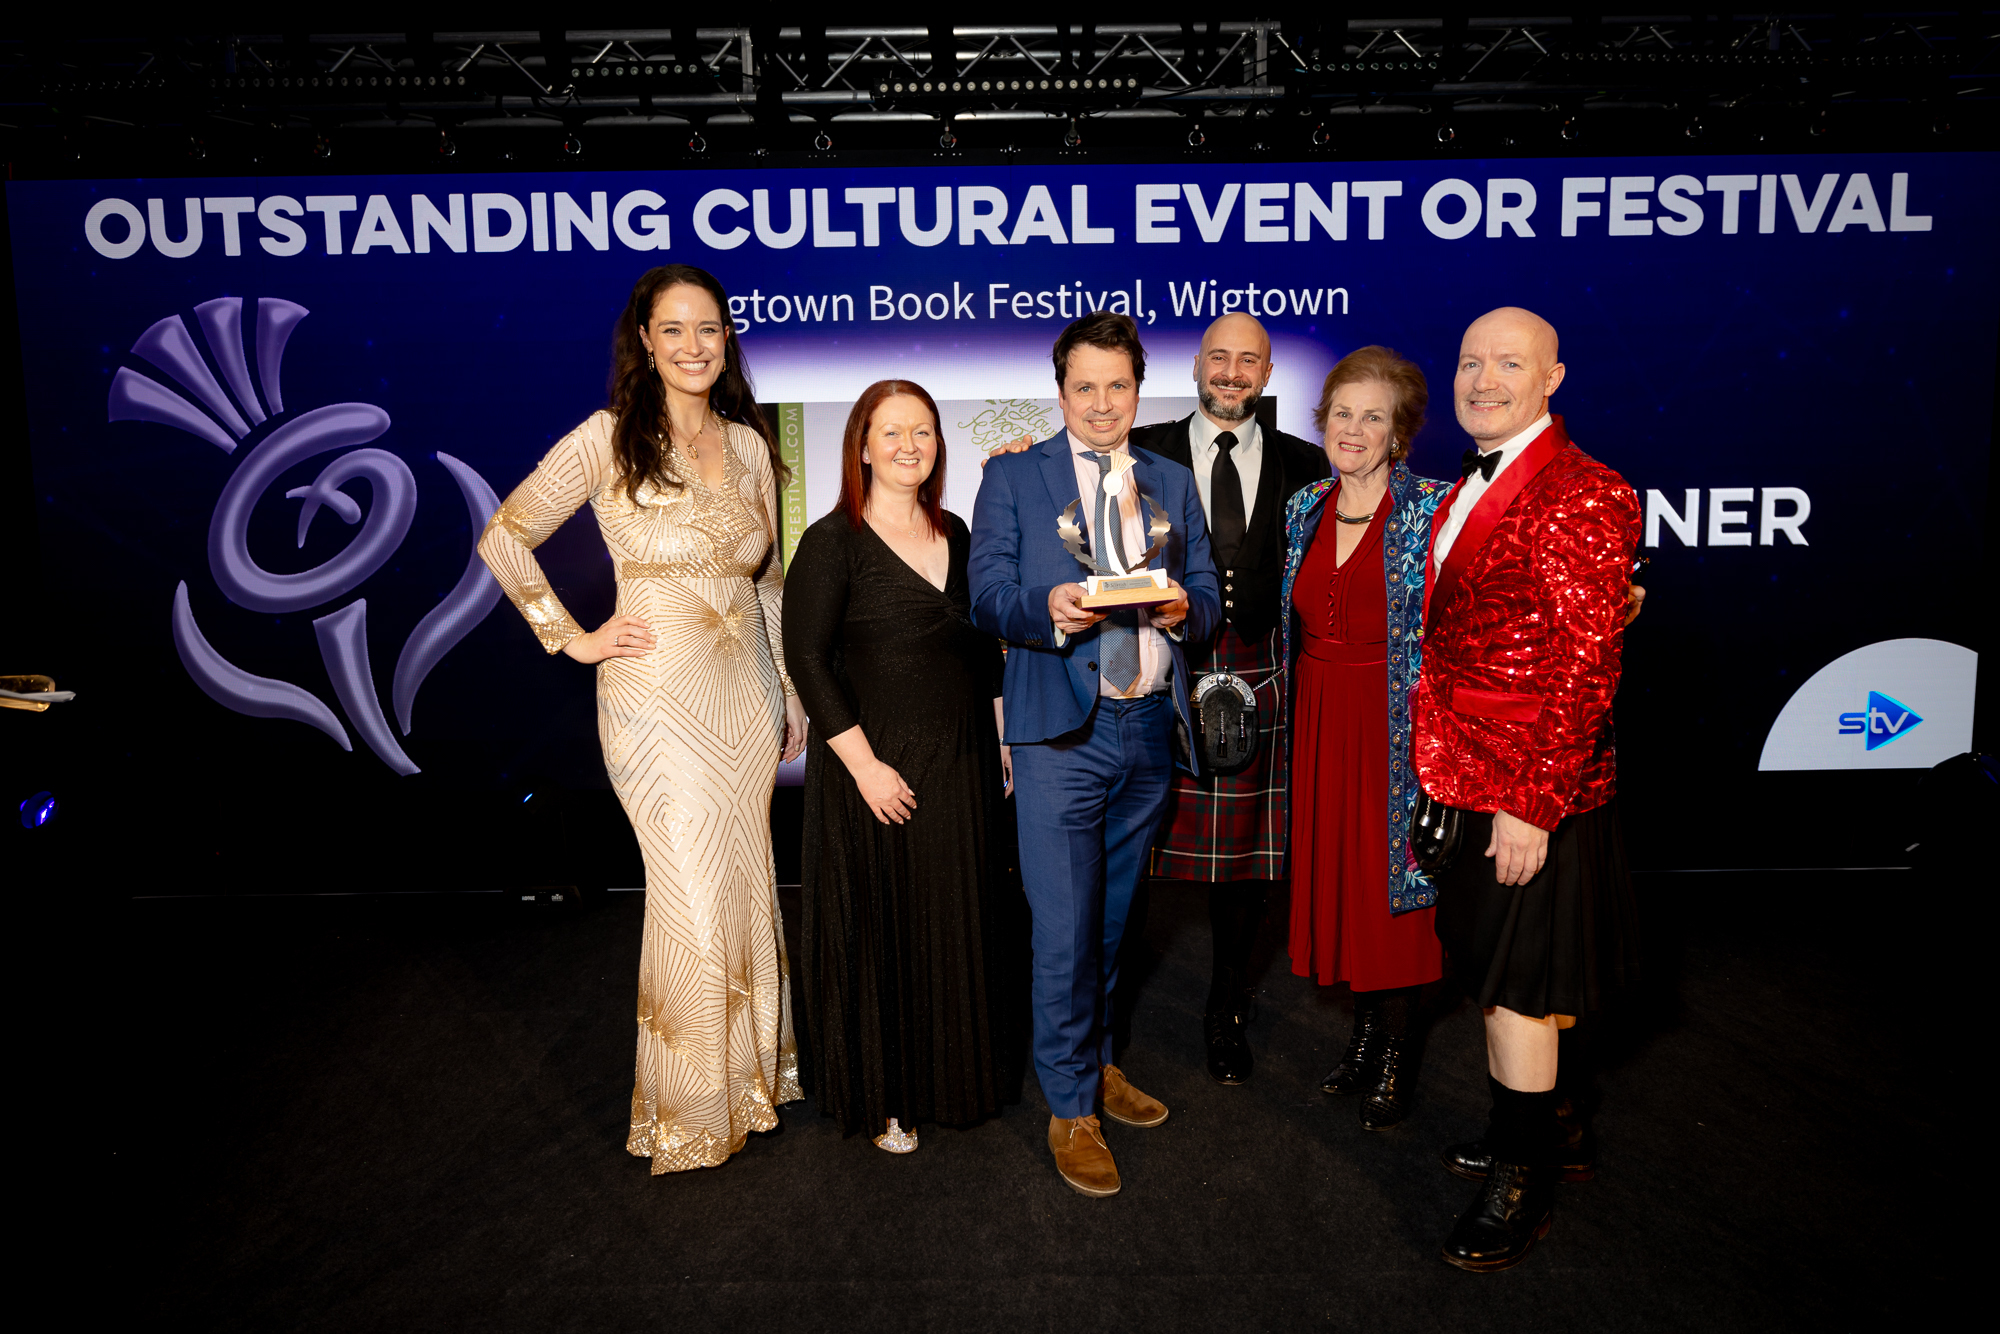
{"x":1243,"y":411}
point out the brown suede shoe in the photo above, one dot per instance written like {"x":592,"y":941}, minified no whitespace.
{"x":1082,"y":1157}
{"x":1124,"y":1103}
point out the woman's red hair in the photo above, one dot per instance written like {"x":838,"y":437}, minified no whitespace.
{"x":855,"y":479}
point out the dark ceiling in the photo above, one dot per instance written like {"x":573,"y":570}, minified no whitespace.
{"x":209,"y":103}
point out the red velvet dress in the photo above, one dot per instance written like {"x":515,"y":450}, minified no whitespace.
{"x":1342,"y":930}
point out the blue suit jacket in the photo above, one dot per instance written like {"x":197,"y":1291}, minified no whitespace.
{"x":1017,"y":557}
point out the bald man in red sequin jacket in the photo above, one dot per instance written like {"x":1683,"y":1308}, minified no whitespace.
{"x":1524,"y":623}
{"x":1531,"y":556}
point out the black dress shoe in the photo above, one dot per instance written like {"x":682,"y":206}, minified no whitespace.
{"x":1386,"y":1098}
{"x":1510,"y":1214}
{"x":1576,"y":1160}
{"x":1229,"y":1059}
{"x":1362,"y":1045}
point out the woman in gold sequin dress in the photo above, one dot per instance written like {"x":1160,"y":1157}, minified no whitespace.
{"x":694,"y":707}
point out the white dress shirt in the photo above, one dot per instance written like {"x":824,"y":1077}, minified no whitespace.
{"x":1249,"y":456}
{"x":1154,"y":657}
{"x":1476,"y":486}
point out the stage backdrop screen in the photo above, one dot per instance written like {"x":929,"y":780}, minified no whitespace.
{"x":270,"y":416}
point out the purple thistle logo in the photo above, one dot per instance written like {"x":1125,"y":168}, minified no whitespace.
{"x":187,"y":395}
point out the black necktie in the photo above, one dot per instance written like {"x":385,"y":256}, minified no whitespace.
{"x":1483,"y":463}
{"x":1225,"y":503}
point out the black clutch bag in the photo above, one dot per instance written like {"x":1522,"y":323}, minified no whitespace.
{"x":1436,"y":830}
{"x":1225,"y":708}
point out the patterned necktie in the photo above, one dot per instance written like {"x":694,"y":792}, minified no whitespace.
{"x":1118,"y":632}
{"x":1225,"y":498}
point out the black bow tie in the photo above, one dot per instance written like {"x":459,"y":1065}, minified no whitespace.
{"x":1482,"y":463}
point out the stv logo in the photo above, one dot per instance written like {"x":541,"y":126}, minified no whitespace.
{"x":1886,"y":720}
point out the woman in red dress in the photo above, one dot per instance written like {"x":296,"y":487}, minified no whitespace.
{"x":1353,"y":596}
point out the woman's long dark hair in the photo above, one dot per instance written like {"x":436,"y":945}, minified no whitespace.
{"x":638,"y":399}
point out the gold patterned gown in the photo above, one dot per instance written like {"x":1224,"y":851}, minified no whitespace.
{"x":691,"y":735}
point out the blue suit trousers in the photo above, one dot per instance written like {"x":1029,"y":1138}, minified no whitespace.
{"x":1088,"y":804}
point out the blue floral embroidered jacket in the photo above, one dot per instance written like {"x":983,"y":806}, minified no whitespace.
{"x":1405,"y":554}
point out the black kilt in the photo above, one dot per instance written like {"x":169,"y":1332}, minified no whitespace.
{"x":1564,"y":943}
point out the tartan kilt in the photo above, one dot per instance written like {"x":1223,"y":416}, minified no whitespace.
{"x":1232,"y":827}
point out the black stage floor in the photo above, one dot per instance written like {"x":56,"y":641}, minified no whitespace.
{"x":409,"y":1113}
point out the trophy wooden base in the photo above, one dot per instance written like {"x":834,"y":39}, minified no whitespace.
{"x":26,"y":685}
{"x":1147,"y":588}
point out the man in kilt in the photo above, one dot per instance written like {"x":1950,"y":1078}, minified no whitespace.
{"x":1229,"y":830}
{"x":1524,"y":627}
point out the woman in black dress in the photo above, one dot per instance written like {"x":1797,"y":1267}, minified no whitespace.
{"x":903,"y":772}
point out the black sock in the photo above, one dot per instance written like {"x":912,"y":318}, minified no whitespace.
{"x":1576,"y":1075}
{"x":1235,"y":911}
{"x":1523,"y":1129}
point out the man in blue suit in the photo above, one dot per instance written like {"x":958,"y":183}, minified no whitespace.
{"x":1096,"y":710}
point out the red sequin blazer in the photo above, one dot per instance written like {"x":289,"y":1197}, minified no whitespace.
{"x":1522,"y":632}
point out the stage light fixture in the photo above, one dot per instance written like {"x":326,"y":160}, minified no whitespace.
{"x":697,"y":144}
{"x":1124,"y":87}
{"x":823,"y":141}
{"x":572,"y":147}
{"x":1445,"y":134}
{"x":38,"y":810}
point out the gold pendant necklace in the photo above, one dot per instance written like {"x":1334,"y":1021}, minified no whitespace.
{"x":875,"y":517}
{"x":691,"y":449}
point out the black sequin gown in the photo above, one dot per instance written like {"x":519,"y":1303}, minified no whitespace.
{"x":898,"y":929}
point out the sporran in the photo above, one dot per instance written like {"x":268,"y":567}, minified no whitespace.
{"x":1436,"y":830}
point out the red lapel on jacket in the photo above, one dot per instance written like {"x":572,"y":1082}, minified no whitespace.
{"x":1438,"y":516}
{"x":1486,"y":515}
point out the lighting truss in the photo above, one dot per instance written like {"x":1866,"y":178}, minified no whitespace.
{"x":770,"y":78}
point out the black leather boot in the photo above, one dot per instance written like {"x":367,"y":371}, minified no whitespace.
{"x":1576,"y":1151}
{"x":1362,"y":1045}
{"x":1509,"y":1215}
{"x":1386,"y":1101}
{"x":1235,"y":910}
{"x":1229,"y":1060}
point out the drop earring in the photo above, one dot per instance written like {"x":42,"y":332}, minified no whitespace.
{"x":649,"y":360}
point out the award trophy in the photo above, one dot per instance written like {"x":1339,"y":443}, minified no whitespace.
{"x":1109,"y":588}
